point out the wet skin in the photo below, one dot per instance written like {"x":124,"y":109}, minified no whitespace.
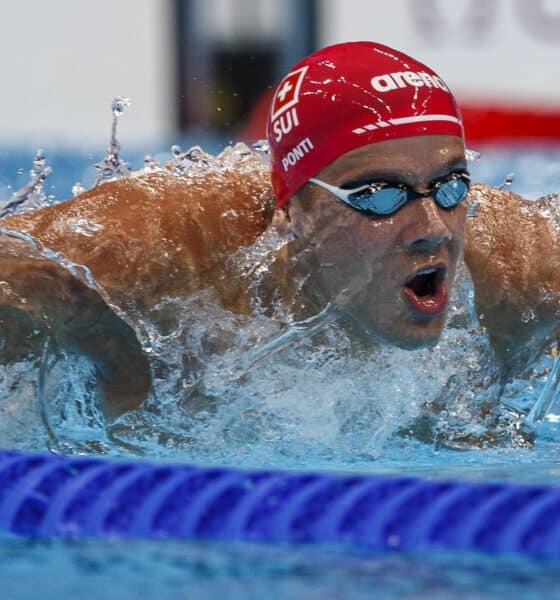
{"x":163,"y":235}
{"x":362,"y":263}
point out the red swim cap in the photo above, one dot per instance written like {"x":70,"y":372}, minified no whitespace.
{"x":346,"y":96}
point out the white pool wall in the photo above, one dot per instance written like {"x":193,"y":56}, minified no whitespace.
{"x":63,"y":61}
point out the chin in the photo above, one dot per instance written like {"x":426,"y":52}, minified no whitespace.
{"x":416,"y":343}
{"x":419,"y":336}
{"x":411,"y":333}
{"x":400,"y":332}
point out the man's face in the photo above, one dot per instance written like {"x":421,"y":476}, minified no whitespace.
{"x":391,"y":276}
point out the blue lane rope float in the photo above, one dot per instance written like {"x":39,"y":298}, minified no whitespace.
{"x":45,"y":495}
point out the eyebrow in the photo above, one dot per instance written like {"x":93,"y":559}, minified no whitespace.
{"x":451,"y":166}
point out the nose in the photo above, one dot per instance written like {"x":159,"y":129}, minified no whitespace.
{"x":427,"y":229}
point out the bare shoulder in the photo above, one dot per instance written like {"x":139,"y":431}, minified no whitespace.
{"x":157,"y":233}
{"x":142,"y":238}
{"x":513,"y":251}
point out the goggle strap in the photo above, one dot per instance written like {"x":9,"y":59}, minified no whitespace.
{"x":339,"y":193}
{"x":344,"y":195}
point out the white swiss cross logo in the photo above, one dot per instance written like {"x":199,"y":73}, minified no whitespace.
{"x":287,"y":93}
{"x":283,"y":91}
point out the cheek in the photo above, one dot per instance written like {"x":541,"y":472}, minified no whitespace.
{"x":362,"y":244}
{"x":374,"y":240}
{"x":350,"y":268}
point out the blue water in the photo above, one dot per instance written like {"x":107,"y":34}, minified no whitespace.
{"x":77,"y":164}
{"x":169,"y":570}
{"x":300,"y":426}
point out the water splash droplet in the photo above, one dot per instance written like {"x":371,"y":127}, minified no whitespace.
{"x":191,"y":161}
{"x":77,"y":189}
{"x":32,"y":195}
{"x":151,"y":164}
{"x":472,"y":210}
{"x":84,"y":227}
{"x":112,"y":166}
{"x":261,"y":146}
{"x":508,"y":180}
{"x":119,"y":104}
{"x":472,"y":154}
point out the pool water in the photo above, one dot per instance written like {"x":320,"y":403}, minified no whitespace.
{"x":170,"y":570}
{"x":273,"y":398}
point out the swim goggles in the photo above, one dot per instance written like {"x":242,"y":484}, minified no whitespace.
{"x":387,"y":198}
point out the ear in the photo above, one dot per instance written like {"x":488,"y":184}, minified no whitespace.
{"x":297,"y":219}
{"x":299,"y":214}
{"x":281,"y":221}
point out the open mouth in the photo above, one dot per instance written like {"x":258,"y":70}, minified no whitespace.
{"x":426,"y":290}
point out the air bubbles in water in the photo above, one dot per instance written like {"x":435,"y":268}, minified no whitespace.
{"x":112,"y":166}
{"x":32,"y":195}
{"x":528,"y":315}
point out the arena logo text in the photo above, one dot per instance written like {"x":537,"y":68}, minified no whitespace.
{"x":402,"y":79}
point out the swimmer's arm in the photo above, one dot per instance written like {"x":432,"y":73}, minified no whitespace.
{"x":123,"y":371}
{"x":39,"y":298}
{"x":513,"y":253}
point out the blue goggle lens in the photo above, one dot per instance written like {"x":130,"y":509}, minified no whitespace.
{"x":387,"y":200}
{"x":384,"y":201}
{"x":451,"y":193}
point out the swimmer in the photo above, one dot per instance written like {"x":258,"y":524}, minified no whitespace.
{"x":368,"y":177}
